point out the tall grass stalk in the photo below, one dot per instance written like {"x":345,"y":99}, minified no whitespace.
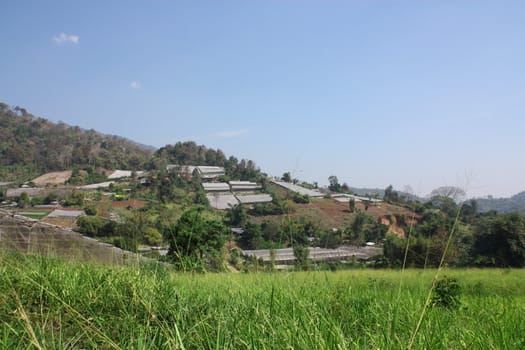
{"x":434,"y":280}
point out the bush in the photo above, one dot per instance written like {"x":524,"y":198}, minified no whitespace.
{"x":301,"y":199}
{"x":90,"y":209}
{"x":447,"y":293}
{"x":152,"y":236}
{"x":95,"y":226}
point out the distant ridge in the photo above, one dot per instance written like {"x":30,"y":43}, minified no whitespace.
{"x":515,"y":203}
{"x":32,"y":145}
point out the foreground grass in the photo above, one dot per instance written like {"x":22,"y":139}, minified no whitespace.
{"x":50,"y":304}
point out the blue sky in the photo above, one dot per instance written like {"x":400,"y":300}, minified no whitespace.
{"x":418,"y":93}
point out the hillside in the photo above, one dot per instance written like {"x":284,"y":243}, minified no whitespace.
{"x":515,"y":203}
{"x":30,"y":146}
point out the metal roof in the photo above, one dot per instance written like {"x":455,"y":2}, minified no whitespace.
{"x":318,"y":254}
{"x":221,"y":201}
{"x":124,"y":173}
{"x":299,"y":189}
{"x":17,"y":192}
{"x":255,"y":198}
{"x":216,"y":186}
{"x":242,"y":183}
{"x":204,"y":169}
{"x":345,"y":197}
{"x":59,"y":213}
{"x":95,"y":186}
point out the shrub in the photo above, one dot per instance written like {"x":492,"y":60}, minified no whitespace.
{"x":447,"y":293}
{"x":301,"y":199}
{"x":152,"y":236}
{"x":90,"y":209}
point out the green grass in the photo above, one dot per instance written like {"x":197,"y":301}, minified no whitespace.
{"x":35,"y":214}
{"x":49,"y":304}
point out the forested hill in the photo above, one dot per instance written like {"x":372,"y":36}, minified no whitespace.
{"x":189,"y":153}
{"x":31,"y":145}
{"x":515,"y":203}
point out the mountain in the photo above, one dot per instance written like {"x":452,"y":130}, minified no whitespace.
{"x":515,"y":203}
{"x":31,"y":145}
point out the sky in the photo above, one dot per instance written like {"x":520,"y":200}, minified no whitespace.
{"x":416,"y":94}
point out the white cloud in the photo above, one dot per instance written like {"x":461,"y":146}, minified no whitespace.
{"x":66,"y":38}
{"x":135,"y":85}
{"x":231,"y":133}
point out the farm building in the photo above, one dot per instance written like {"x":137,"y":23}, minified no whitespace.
{"x":181,"y":169}
{"x":61,"y":213}
{"x":95,"y":186}
{"x":299,"y":189}
{"x":345,"y":198}
{"x":37,"y":192}
{"x":244,"y":186}
{"x":204,"y":171}
{"x":31,"y":191}
{"x":210,"y":172}
{"x":216,"y":187}
{"x":254,"y":198}
{"x":221,"y":201}
{"x":117,"y":174}
{"x":286,"y":256}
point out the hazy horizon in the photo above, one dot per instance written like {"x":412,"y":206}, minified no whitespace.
{"x":418,"y":94}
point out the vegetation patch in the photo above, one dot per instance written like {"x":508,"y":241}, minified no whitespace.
{"x":50,"y":304}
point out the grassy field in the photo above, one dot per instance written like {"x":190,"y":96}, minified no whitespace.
{"x":50,"y":304}
{"x":36,"y":214}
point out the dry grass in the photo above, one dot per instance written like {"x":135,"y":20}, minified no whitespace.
{"x":54,"y":178}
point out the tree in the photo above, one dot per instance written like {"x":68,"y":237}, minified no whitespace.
{"x":287,"y":177}
{"x":152,"y":236}
{"x":330,"y":239}
{"x":351,"y":205}
{"x":334,"y":185}
{"x":499,"y":240}
{"x":391,"y":196}
{"x":23,"y":200}
{"x":301,"y":253}
{"x":236,"y":215}
{"x":375,"y":232}
{"x":455,"y":193}
{"x":252,"y":237}
{"x":469,"y":210}
{"x":446,"y":204}
{"x":196,"y":236}
{"x":94,"y":226}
